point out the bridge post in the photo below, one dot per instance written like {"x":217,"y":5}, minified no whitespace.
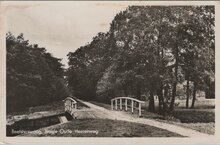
{"x":74,"y":105}
{"x":120,"y":104}
{"x":71,"y":108}
{"x":70,"y":103}
{"x":139,"y":109}
{"x":112,"y":104}
{"x":132,"y":105}
{"x":66,"y":105}
{"x":126,"y":104}
{"x":116,"y":104}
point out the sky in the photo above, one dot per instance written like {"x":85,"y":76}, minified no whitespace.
{"x":61,"y":27}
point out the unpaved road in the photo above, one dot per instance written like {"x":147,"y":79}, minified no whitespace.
{"x":100,"y":112}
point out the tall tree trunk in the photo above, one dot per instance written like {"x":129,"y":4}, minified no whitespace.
{"x":194,"y":94}
{"x":138,"y":93}
{"x":174,"y":89}
{"x":151,"y":106}
{"x":187,"y":91}
{"x":160,"y":103}
{"x":125,"y":90}
{"x":165,"y":106}
{"x":175,"y":81}
{"x":161,"y":99}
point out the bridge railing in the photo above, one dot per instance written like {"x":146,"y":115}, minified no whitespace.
{"x":126,"y":100}
{"x":70,"y":105}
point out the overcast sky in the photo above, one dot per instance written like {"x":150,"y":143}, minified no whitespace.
{"x":61,"y":27}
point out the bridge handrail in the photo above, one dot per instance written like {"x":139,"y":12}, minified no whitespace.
{"x":69,"y":98}
{"x":128,"y":98}
{"x":115,"y":101}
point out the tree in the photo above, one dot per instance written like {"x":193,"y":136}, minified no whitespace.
{"x":34,"y":77}
{"x":87,"y":65}
{"x":149,"y":50}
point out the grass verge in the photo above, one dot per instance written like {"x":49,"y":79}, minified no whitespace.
{"x":195,"y":115}
{"x":103,"y":128}
{"x":202,"y":120}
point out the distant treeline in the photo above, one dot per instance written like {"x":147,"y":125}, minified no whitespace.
{"x":34,"y":77}
{"x":148,"y":51}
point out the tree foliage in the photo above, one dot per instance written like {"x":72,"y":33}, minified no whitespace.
{"x":148,"y":51}
{"x":34,"y":76}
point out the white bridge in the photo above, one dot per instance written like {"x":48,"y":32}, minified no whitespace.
{"x":119,"y":102}
{"x":70,"y":105}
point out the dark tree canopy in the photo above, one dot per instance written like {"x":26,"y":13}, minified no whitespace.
{"x":34,"y":76}
{"x":148,"y":51}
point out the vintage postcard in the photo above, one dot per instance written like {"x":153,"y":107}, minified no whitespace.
{"x":109,"y":72}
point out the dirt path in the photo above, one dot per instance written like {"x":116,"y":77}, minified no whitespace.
{"x":100,"y":112}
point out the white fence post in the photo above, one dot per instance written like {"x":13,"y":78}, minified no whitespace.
{"x":112,"y":104}
{"x":116,"y":104}
{"x":132,"y":105}
{"x":69,"y":105}
{"x":120,"y":104}
{"x":126,"y":104}
{"x":139,"y":109}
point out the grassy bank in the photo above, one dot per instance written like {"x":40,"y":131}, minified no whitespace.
{"x":202,"y":120}
{"x":103,"y":128}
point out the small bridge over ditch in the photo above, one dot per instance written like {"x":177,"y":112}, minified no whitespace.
{"x":126,"y":102}
{"x":70,"y":105}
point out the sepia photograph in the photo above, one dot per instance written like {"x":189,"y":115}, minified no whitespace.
{"x":109,"y":69}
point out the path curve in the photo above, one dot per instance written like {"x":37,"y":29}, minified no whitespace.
{"x":100,"y":112}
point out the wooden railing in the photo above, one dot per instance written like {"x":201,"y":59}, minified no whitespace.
{"x":70,"y":105}
{"x":118,"y":103}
